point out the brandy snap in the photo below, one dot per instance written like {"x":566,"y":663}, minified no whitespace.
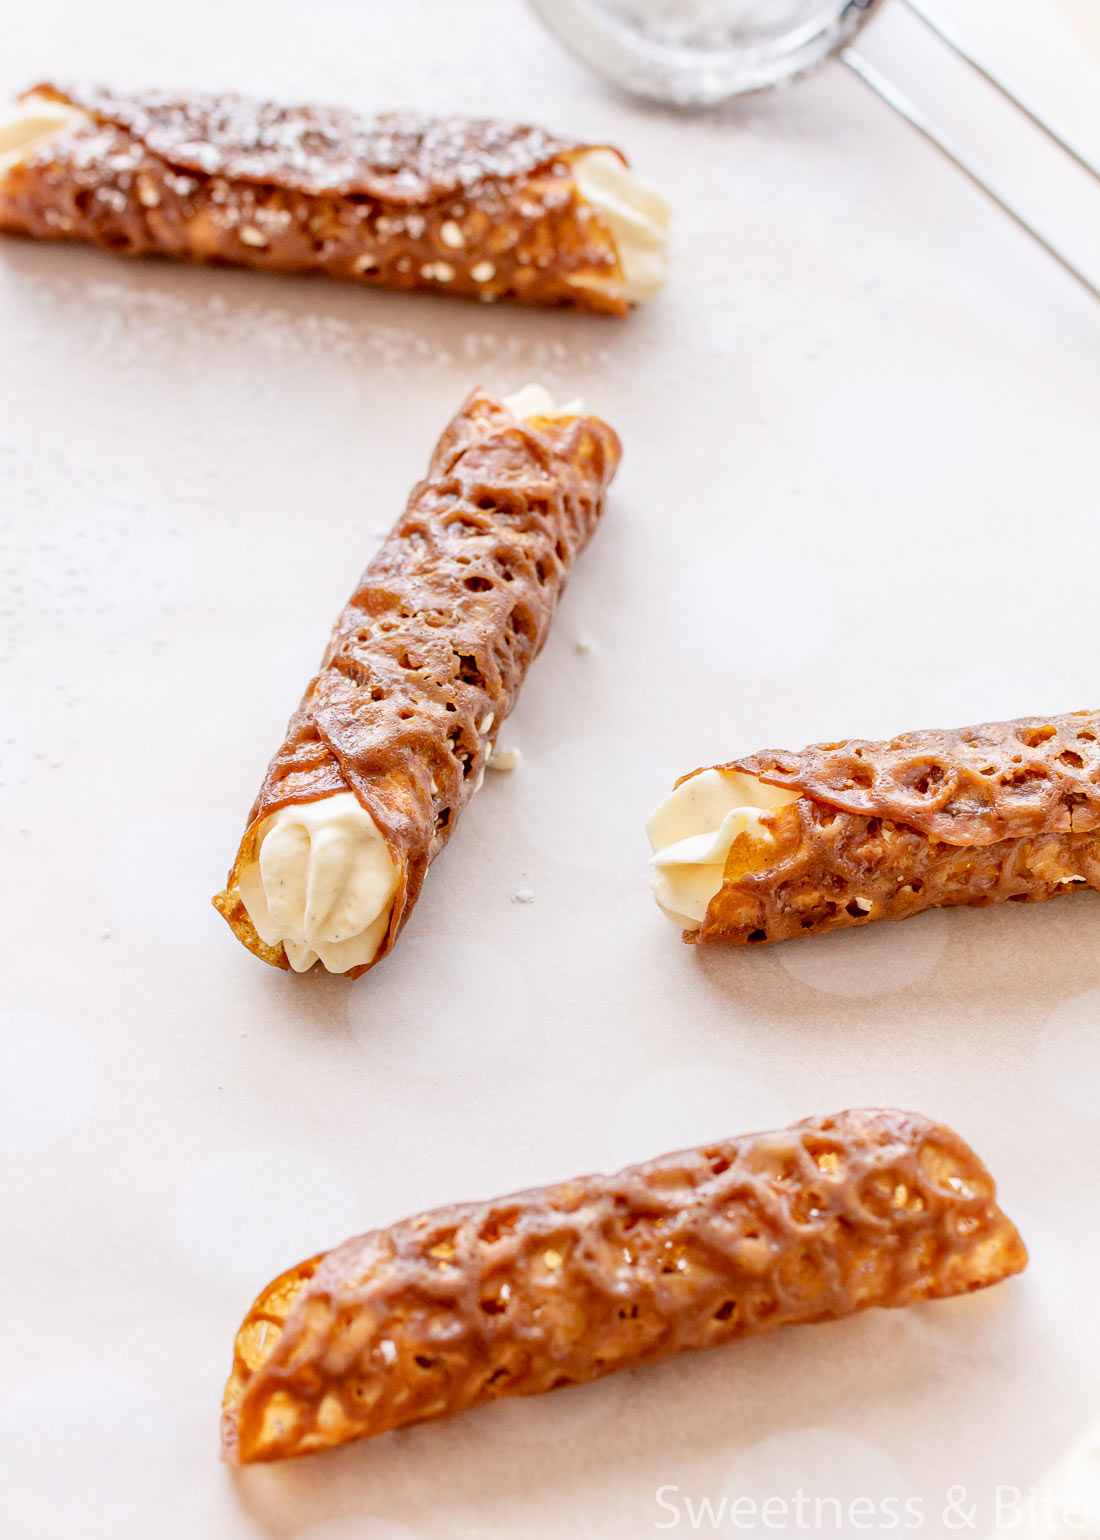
{"x":477,"y":208}
{"x":564,"y":1284}
{"x":788,"y":844}
{"x":393,"y":736}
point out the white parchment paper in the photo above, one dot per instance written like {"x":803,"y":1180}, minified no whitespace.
{"x":858,"y":496}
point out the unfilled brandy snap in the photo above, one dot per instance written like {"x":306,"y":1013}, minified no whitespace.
{"x":561,"y":1285}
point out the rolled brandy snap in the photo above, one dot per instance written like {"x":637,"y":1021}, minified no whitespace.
{"x":788,"y":844}
{"x":393,"y":735}
{"x":472,"y":207}
{"x":564,"y":1284}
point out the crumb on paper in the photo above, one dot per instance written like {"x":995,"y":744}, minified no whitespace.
{"x":523,"y":896}
{"x":504,"y":759}
{"x":582,"y":644}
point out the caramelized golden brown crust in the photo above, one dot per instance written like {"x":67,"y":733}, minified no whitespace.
{"x":967,"y":786}
{"x":564,"y":1284}
{"x":438,"y":637}
{"x":828,"y":870}
{"x":882,"y":831}
{"x":473,"y":208}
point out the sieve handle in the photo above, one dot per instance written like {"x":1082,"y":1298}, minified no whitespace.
{"x":912,"y":114}
{"x":969,"y":55}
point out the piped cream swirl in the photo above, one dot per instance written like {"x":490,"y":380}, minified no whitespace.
{"x":322,"y":884}
{"x":693,"y":830}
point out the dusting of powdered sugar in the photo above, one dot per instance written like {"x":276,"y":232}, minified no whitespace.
{"x":400,"y":157}
{"x":187,"y":372}
{"x":701,"y":52}
{"x":127,"y":318}
{"x":709,"y":24}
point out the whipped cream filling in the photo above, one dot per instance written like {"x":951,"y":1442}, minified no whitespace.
{"x":32,"y":123}
{"x":636,"y":214}
{"x":321,"y":881}
{"x":693,"y":830}
{"x":535,"y":400}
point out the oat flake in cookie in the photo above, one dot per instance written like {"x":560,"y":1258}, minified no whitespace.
{"x":784,"y":844}
{"x":393,"y":736}
{"x":477,"y":208}
{"x":564,"y":1284}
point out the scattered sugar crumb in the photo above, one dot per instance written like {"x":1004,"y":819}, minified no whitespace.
{"x":523,"y":896}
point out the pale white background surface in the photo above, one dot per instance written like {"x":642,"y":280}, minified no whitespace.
{"x":858,"y":496}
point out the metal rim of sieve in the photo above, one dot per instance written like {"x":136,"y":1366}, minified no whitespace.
{"x":691,"y":76}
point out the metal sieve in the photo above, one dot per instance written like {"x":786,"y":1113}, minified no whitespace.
{"x":696,"y":53}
